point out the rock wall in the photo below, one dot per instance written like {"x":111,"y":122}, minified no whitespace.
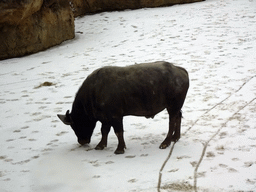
{"x":29,"y":26}
{"x":82,"y":7}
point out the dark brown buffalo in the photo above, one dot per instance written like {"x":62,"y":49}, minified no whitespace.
{"x":110,"y":93}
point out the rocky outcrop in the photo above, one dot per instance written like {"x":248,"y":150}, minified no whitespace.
{"x":82,"y":7}
{"x":29,"y":26}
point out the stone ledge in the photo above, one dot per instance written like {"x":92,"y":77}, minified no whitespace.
{"x":30,"y":26}
{"x":83,"y":7}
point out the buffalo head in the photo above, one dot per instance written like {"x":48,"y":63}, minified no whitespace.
{"x":82,"y":126}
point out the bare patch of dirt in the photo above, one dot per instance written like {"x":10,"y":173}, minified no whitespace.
{"x":45,"y":84}
{"x":184,"y":186}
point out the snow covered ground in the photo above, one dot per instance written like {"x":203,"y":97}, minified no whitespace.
{"x":214,"y":40}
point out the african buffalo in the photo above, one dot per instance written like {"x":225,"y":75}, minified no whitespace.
{"x":110,"y":93}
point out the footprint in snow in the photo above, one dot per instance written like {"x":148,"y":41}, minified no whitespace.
{"x":109,"y":162}
{"x":61,"y":133}
{"x":130,"y":156}
{"x":132,"y":180}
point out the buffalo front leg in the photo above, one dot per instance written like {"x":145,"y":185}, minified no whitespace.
{"x":119,"y":131}
{"x":173,"y":133}
{"x":105,"y":128}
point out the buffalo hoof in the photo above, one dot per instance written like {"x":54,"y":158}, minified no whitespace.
{"x":120,"y":148}
{"x":164,"y":145}
{"x":83,"y":142}
{"x":119,"y":151}
{"x":100,"y":147}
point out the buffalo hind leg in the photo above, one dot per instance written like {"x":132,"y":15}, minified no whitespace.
{"x":174,"y":130}
{"x":176,"y":135}
{"x":119,"y":131}
{"x":105,"y":128}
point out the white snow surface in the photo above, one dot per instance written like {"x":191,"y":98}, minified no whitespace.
{"x":214,"y":40}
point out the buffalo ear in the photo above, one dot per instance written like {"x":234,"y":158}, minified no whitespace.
{"x":65,"y":118}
